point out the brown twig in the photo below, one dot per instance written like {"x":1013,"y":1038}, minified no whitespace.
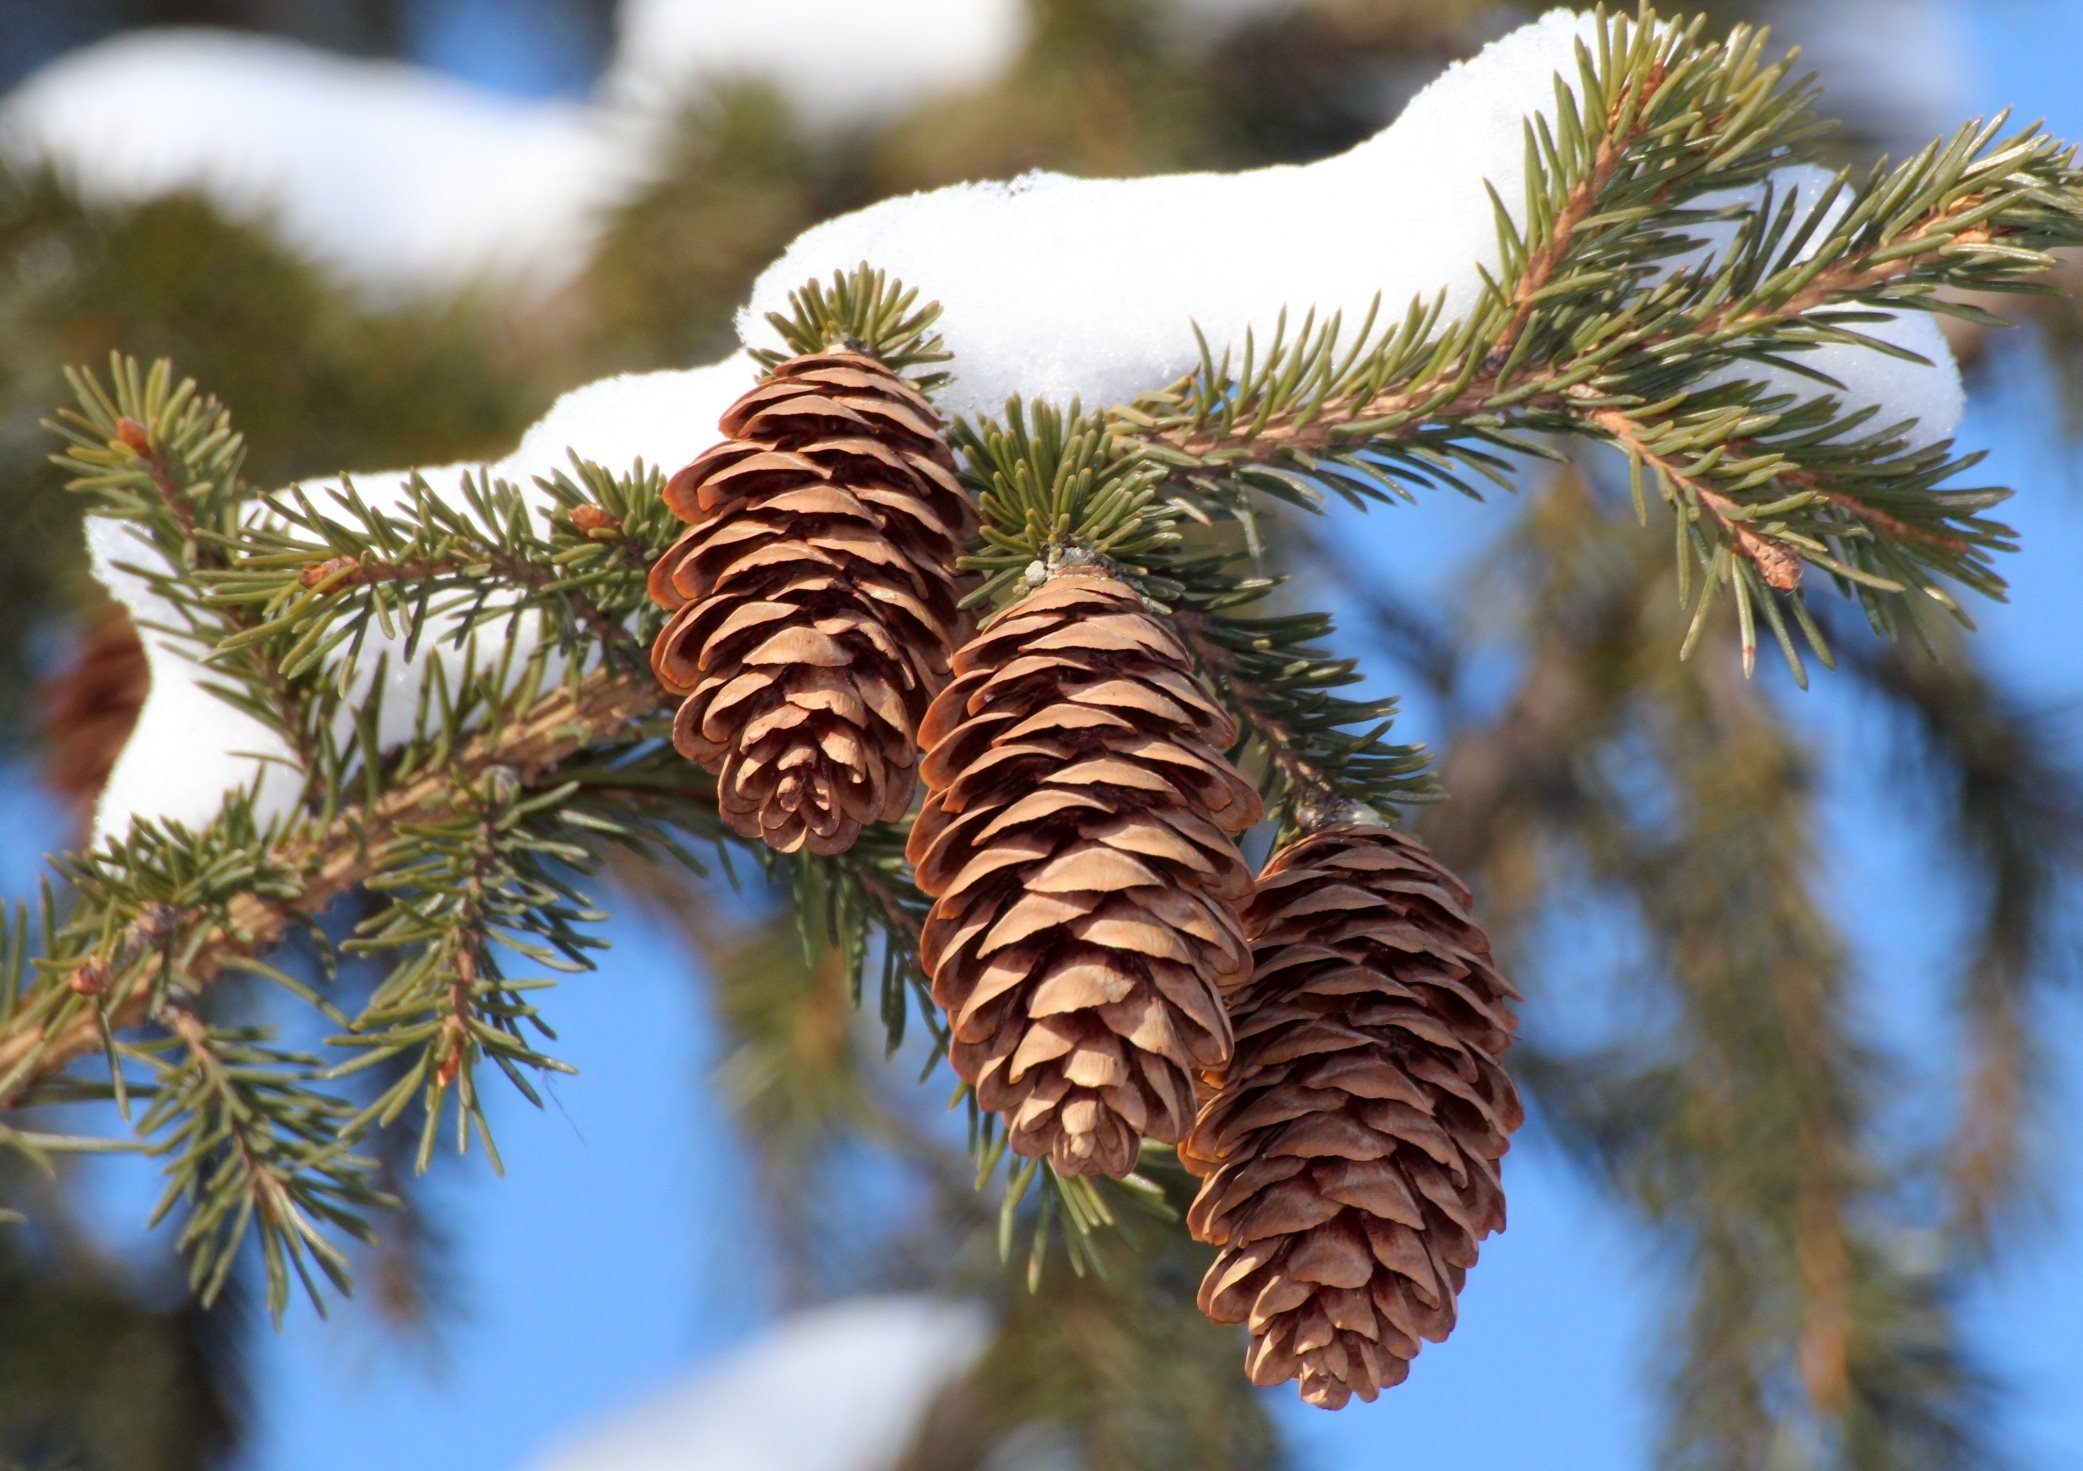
{"x":1894,"y":528}
{"x":1853,"y":274}
{"x":1777,"y":563}
{"x":336,"y":574}
{"x":1583,"y":200}
{"x":136,"y":438}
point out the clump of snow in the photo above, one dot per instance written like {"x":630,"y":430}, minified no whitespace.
{"x":191,"y":748}
{"x":403,"y":180}
{"x":837,"y":1388}
{"x":1061,"y":288}
{"x":1929,"y":392}
{"x":394,"y":176}
{"x":664,"y":419}
{"x":1056,"y":287}
{"x":836,"y":61}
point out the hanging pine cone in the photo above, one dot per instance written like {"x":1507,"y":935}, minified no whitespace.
{"x":1352,"y":1151}
{"x":814,"y":599}
{"x":1078,"y":837}
{"x":91,"y":707}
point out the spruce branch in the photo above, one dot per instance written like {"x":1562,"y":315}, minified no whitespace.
{"x":490,"y":878}
{"x":1052,"y":483}
{"x":164,"y":457}
{"x":287,"y":877}
{"x":1615,"y":320}
{"x":252,"y":1146}
{"x":152,"y":450}
{"x":315,"y":577}
{"x":1322,"y":752}
{"x":1656,"y":119}
{"x":1057,"y":487}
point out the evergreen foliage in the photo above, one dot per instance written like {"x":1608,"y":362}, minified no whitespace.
{"x":476,"y":842}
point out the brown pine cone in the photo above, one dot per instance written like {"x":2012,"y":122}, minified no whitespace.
{"x":1079,"y":839}
{"x":815,"y":599}
{"x":91,"y":707}
{"x":1352,"y":1151}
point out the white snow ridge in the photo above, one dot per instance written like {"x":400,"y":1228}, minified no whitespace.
{"x":1056,"y":287}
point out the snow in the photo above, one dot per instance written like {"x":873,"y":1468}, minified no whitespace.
{"x":1062,"y":288}
{"x":1929,"y":392}
{"x":402,"y":180}
{"x":191,"y":748}
{"x":836,"y":61}
{"x":1059,"y":288}
{"x":665,"y":419}
{"x":394,"y":176}
{"x":836,"y":1388}
{"x":1056,"y":287}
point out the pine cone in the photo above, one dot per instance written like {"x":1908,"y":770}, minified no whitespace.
{"x":1079,"y":839}
{"x":815,"y":599}
{"x":91,"y":707}
{"x":1352,"y":1151}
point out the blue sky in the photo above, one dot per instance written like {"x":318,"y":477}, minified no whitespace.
{"x":619,"y":1249}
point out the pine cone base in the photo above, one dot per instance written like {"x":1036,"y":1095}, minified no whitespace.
{"x":1351,"y":1151}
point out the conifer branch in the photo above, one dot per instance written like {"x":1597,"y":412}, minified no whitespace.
{"x":1480,"y":381}
{"x":1776,"y":563}
{"x":307,"y":872}
{"x":1278,"y":679}
{"x":1302,"y":775}
{"x":476,"y":562}
{"x":167,"y":459}
{"x":255,"y":1145}
{"x":1592,"y":332}
{"x":346,"y":570}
